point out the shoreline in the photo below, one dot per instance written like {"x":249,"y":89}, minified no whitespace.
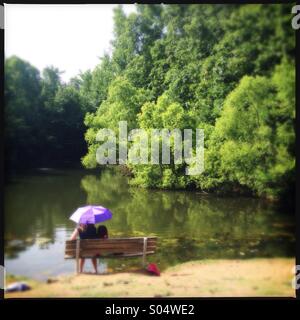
{"x":259,"y":277}
{"x":118,"y":169}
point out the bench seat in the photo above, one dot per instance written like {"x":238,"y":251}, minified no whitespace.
{"x":110,"y":248}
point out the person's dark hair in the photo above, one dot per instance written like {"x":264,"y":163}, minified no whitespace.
{"x":102,"y":232}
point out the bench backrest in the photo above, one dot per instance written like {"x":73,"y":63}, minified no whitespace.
{"x":112,"y":247}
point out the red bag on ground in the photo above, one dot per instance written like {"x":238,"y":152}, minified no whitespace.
{"x":153,"y":269}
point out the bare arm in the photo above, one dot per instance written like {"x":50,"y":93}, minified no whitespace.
{"x":74,"y":235}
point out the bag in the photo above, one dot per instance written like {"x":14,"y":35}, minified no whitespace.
{"x":153,"y":269}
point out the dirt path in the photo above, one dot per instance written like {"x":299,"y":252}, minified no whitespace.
{"x":208,"y":278}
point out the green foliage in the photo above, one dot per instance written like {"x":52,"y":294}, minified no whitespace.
{"x":122,"y":104}
{"x":225,"y":68}
{"x":43,"y":117}
{"x":22,"y":108}
{"x":252,"y":143}
{"x":166,"y":113}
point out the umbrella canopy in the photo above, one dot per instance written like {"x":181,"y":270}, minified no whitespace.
{"x":91,"y":214}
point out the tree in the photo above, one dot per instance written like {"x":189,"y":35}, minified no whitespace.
{"x":216,"y":67}
{"x":252,"y":145}
{"x":22,"y":112}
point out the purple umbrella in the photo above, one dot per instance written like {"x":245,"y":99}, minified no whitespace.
{"x":91,"y":214}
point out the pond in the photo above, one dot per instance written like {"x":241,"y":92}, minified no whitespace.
{"x":190,"y":225}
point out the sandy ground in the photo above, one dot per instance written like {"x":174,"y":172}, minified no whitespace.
{"x":209,"y":278}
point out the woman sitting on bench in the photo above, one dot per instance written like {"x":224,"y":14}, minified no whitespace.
{"x":86,"y":231}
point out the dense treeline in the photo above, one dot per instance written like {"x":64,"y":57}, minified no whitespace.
{"x":43,"y":117}
{"x":228,"y":69}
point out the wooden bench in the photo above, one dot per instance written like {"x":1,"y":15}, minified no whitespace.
{"x":110,"y":248}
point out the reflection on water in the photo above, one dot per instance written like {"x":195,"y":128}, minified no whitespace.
{"x":189,"y":225}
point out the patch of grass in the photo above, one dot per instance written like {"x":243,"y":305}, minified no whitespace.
{"x":253,"y":277}
{"x":10,"y":278}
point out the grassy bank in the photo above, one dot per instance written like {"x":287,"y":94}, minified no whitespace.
{"x":206,"y":278}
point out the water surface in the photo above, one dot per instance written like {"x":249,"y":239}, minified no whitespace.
{"x":189,"y":225}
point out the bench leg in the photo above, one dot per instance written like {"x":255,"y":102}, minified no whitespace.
{"x":77,"y":265}
{"x":77,"y":255}
{"x":144,"y":252}
{"x":143,"y":262}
